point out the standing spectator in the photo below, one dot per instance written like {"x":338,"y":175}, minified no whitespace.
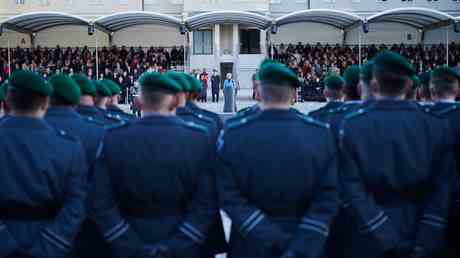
{"x":204,"y":77}
{"x":229,"y":94}
{"x":215,"y":86}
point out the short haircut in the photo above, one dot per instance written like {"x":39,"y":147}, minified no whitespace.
{"x":444,"y":85}
{"x":276,"y":93}
{"x":391,"y":84}
{"x":24,"y":100}
{"x":154,"y":99}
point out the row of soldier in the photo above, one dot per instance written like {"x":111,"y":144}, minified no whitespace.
{"x":370,"y":179}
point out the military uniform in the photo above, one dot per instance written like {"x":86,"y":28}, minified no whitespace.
{"x":278,"y":186}
{"x":176,"y":205}
{"x":44,"y":182}
{"x":119,"y":113}
{"x":324,"y":112}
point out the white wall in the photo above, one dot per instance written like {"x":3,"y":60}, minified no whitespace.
{"x":69,"y":36}
{"x":16,"y":39}
{"x":439,"y":36}
{"x":203,"y":61}
{"x":247,"y":65}
{"x":384,"y":33}
{"x":307,"y":33}
{"x":149,"y":35}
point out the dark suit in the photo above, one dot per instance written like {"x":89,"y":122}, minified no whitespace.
{"x":215,"y":87}
{"x":164,"y":194}
{"x":43,"y":193}
{"x":277,"y":182}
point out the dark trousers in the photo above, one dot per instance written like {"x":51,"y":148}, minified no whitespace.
{"x":215,"y":95}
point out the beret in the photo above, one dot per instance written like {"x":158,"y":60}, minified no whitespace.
{"x":155,"y":81}
{"x":102,"y":89}
{"x":392,"y":62}
{"x":445,"y":71}
{"x":351,"y":76}
{"x":65,"y":88}
{"x":278,"y":74}
{"x":3,"y":91}
{"x":416,"y":82}
{"x":366,"y":71}
{"x":112,"y":86}
{"x":86,"y":86}
{"x":334,"y":82}
{"x":195,"y":84}
{"x":181,"y":80}
{"x":30,"y":81}
{"x":425,"y":78}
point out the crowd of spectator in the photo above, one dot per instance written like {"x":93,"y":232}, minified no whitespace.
{"x":122,"y":64}
{"x":313,"y":62}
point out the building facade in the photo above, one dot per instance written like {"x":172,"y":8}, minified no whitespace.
{"x":227,"y":46}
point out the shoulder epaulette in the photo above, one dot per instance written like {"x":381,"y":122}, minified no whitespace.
{"x":312,"y":121}
{"x":114,"y":117}
{"x":241,"y":121}
{"x":119,"y":125}
{"x":243,"y":110}
{"x":195,"y":126}
{"x":202,"y":117}
{"x":93,"y":120}
{"x":357,"y":113}
{"x":65,"y":135}
{"x":449,"y":109}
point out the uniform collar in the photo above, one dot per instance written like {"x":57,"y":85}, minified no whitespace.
{"x":390,"y":103}
{"x":62,"y":111}
{"x":183,"y":111}
{"x":278,"y":113}
{"x":114,"y":108}
{"x":191,"y":105}
{"x":87,"y":109}
{"x":155,"y":119}
{"x":25,"y":122}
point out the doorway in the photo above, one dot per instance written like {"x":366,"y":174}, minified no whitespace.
{"x":224,"y":69}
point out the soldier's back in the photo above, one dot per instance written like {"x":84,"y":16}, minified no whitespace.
{"x":43,"y":176}
{"x":400,"y":154}
{"x":171,"y":160}
{"x":275,"y":158}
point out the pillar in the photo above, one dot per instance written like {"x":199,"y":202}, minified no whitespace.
{"x":236,"y":49}
{"x":216,"y":49}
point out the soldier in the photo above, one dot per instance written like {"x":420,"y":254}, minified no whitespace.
{"x":191,"y":101}
{"x":396,"y":169}
{"x":62,"y":116}
{"x":102,"y":99}
{"x":168,"y":205}
{"x":445,"y":83}
{"x":412,"y":91}
{"x":351,"y":77}
{"x":88,"y":93}
{"x":280,"y":203}
{"x":112,"y":103}
{"x":186,"y":113}
{"x":44,"y":176}
{"x":333,"y":91}
{"x":366,"y":82}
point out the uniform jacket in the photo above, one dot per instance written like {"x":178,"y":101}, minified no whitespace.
{"x":101,"y":115}
{"x":322,"y":113}
{"x":206,"y":113}
{"x":44,"y":185}
{"x":115,"y":110}
{"x":277,"y":182}
{"x":396,"y":169}
{"x":164,"y":194}
{"x":189,"y":115}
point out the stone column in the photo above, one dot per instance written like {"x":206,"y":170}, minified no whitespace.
{"x":217,"y":50}
{"x":236,"y":49}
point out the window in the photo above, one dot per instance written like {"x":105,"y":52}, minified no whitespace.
{"x":202,"y":42}
{"x":20,"y":1}
{"x":250,"y":41}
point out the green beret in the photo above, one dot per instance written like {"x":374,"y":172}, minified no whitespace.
{"x":101,"y":89}
{"x":181,"y":80}
{"x":65,"y":88}
{"x":415,"y":82}
{"x":195,"y":84}
{"x":366,"y":72}
{"x":425,"y":78}
{"x":30,"y":81}
{"x":445,"y":71}
{"x":351,"y":76}
{"x":112,"y":86}
{"x":86,"y":86}
{"x":334,"y":82}
{"x":392,"y":62}
{"x":3,"y":91}
{"x":156,"y":81}
{"x":278,"y":74}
